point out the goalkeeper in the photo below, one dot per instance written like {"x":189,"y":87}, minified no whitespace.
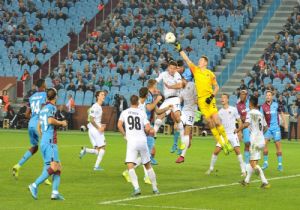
{"x":207,"y":88}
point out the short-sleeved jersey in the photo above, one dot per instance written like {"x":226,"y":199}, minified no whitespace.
{"x":257,"y":122}
{"x":187,"y":74}
{"x":48,"y":130}
{"x":96,"y":113}
{"x":228,"y":118}
{"x":149,"y":100}
{"x":170,"y":80}
{"x":243,"y":109}
{"x":189,"y":96}
{"x":271,"y":113}
{"x":142,"y":106}
{"x":135,"y":120}
{"x":36,"y":101}
{"x":204,"y":80}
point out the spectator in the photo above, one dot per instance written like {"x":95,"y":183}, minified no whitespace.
{"x":71,"y":86}
{"x":45,"y":49}
{"x":25,"y":75}
{"x":70,"y":111}
{"x":35,"y":50}
{"x":294,"y":112}
{"x":91,"y":87}
{"x":108,"y":82}
{"x":100,"y":82}
{"x":242,"y":85}
{"x":116,"y":81}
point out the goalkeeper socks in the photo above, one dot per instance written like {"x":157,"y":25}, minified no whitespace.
{"x":261,"y":174}
{"x":133,"y":178}
{"x":99,"y":158}
{"x":247,"y":157}
{"x":91,"y":151}
{"x":157,"y":124}
{"x":213,"y":161}
{"x":217,"y":136}
{"x":26,"y":156}
{"x":222,"y":132}
{"x":152,"y":178}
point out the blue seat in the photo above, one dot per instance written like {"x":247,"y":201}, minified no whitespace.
{"x":61,"y":96}
{"x":88,"y":98}
{"x":79,"y":98}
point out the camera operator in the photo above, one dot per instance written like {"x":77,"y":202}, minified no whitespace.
{"x":120,"y":104}
{"x":61,"y":115}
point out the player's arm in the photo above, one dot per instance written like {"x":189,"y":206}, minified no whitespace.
{"x":215,"y":89}
{"x":243,"y":125}
{"x":53,"y":121}
{"x":147,"y":128}
{"x":121,"y":129}
{"x":99,"y":128}
{"x":39,"y":128}
{"x":175,"y":86}
{"x":161,"y":111}
{"x":152,"y":106}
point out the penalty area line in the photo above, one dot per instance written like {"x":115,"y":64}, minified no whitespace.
{"x":189,"y":190}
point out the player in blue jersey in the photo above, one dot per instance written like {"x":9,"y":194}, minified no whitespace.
{"x":36,"y":101}
{"x":49,"y":149}
{"x":271,"y":111}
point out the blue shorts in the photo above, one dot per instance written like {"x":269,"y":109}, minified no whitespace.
{"x":33,"y":136}
{"x":246,"y":135}
{"x":50,"y":153}
{"x":274,"y":133}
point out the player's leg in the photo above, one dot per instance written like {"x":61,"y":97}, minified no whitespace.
{"x":268,"y":136}
{"x":56,"y":166}
{"x":175,"y":139}
{"x":214,"y":158}
{"x":92,"y":137}
{"x":277,"y":140}
{"x":240,"y":160}
{"x":185,"y":142}
{"x":246,"y":140}
{"x":34,"y":140}
{"x":130,"y":160}
{"x":159,"y":119}
{"x":101,"y":152}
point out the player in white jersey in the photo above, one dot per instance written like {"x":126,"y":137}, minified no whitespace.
{"x":136,"y":127}
{"x":189,"y":97}
{"x":172,"y":85}
{"x":228,"y":115}
{"x":257,"y":125}
{"x":96,"y":131}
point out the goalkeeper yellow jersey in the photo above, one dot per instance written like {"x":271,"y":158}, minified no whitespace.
{"x":204,"y":80}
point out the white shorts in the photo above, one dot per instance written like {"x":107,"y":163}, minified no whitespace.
{"x":233,"y":140}
{"x":188,"y":117}
{"x":255,"y":154}
{"x":134,"y":150}
{"x":175,"y":101}
{"x":97,"y":138}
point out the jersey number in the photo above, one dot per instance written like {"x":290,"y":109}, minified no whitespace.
{"x":35,"y":107}
{"x":134,"y":123}
{"x":44,"y":122}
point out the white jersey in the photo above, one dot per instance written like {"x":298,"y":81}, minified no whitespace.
{"x":257,"y":122}
{"x":228,"y":118}
{"x":189,"y":96}
{"x":142,"y":106}
{"x":170,"y":80}
{"x":96,"y":113}
{"x":135,"y":121}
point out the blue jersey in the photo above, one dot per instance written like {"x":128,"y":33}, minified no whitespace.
{"x":149,"y":100}
{"x":187,"y":74}
{"x":36,"y":101}
{"x":271,"y":113}
{"x":48,"y":130}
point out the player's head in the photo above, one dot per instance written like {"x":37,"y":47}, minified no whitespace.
{"x":172,"y":67}
{"x":100,"y":96}
{"x":143,"y":92}
{"x":203,"y":61}
{"x":51,"y":95}
{"x":152,"y":84}
{"x":180,"y":66}
{"x":269,"y":96}
{"x":41,"y":84}
{"x":224,"y":99}
{"x":243,"y":94}
{"x":253,"y":102}
{"x":134,"y":100}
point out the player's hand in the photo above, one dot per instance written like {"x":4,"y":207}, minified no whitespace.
{"x":209,"y":99}
{"x":64,"y":123}
{"x":159,"y":97}
{"x":178,"y":47}
{"x":102,"y":128}
{"x":170,"y":106}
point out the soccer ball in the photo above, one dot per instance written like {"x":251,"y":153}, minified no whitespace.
{"x":83,"y":128}
{"x":170,"y":38}
{"x":204,"y":133}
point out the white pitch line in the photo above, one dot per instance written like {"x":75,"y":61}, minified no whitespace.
{"x":158,"y":207}
{"x":189,"y":190}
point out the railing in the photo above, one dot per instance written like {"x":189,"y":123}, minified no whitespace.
{"x":240,"y":55}
{"x":75,"y":41}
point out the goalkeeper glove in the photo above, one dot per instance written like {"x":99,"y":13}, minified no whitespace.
{"x":209,"y":99}
{"x":178,"y":46}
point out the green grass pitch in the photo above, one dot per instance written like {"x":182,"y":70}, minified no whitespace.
{"x":183,"y":186}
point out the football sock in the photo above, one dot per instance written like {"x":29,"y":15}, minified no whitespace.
{"x":26,"y":156}
{"x":222,"y":132}
{"x":150,"y":143}
{"x":91,"y":151}
{"x":181,"y":129}
{"x":145,"y":172}
{"x":261,"y":174}
{"x":157,"y":124}
{"x":213,"y":162}
{"x":186,"y":142}
{"x":242,"y":165}
{"x":55,"y":182}
{"x":247,"y":157}
{"x":175,"y":137}
{"x":249,"y":170}
{"x":266,"y":157}
{"x":133,"y":178}
{"x":217,"y":136}
{"x":279,"y":158}
{"x":99,"y":157}
{"x":152,"y":178}
{"x":47,"y":171}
